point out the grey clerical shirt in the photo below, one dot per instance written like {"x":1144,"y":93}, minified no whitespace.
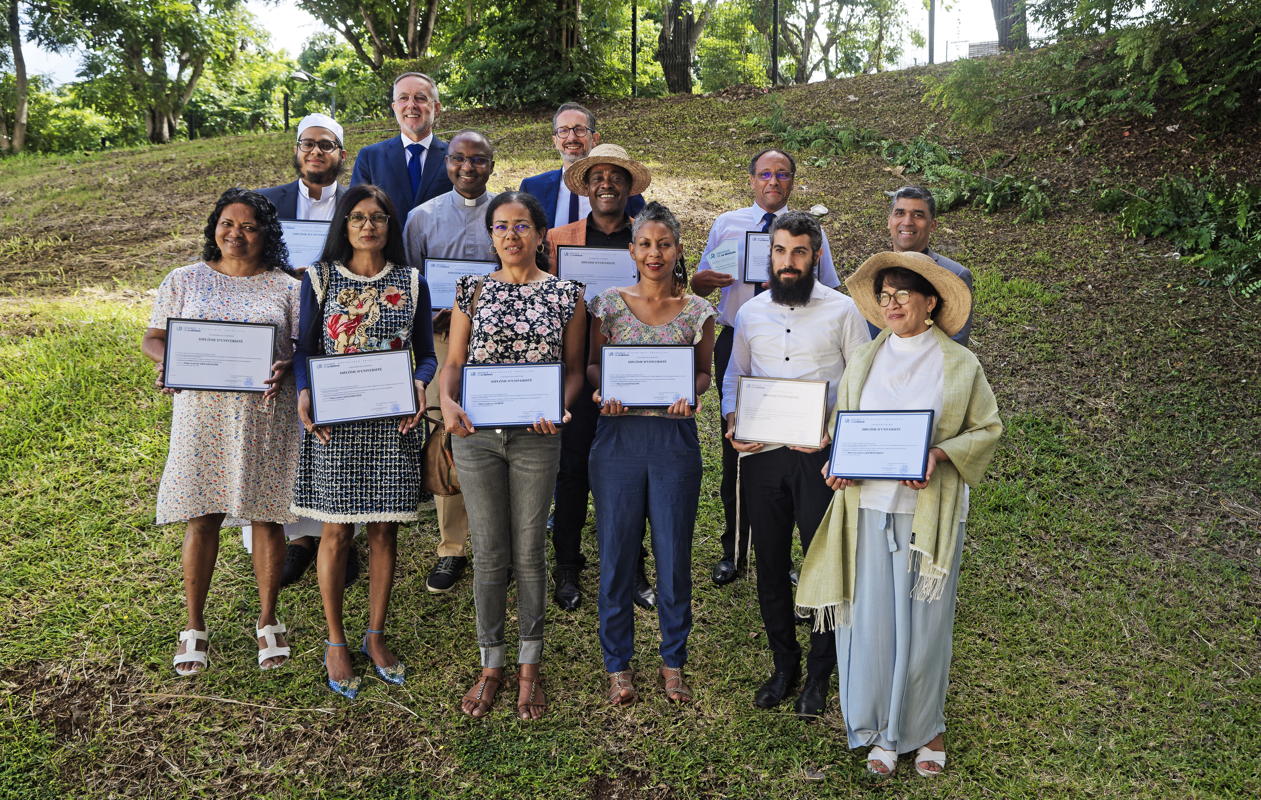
{"x":448,"y":226}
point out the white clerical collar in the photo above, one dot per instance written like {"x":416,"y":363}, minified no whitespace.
{"x":461,"y":200}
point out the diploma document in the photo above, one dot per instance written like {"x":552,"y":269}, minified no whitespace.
{"x":442,"y":273}
{"x":597,"y":267}
{"x":512,"y":395}
{"x":218,"y":356}
{"x":305,"y":240}
{"x":648,"y":376}
{"x":355,"y":386}
{"x":780,"y":411}
{"x":757,"y":257}
{"x":881,"y":445}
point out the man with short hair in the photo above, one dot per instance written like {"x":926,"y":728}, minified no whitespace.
{"x":319,"y":158}
{"x":573,"y":136}
{"x":771,"y":176}
{"x":410,"y":167}
{"x":912,"y":220}
{"x":804,"y":331}
{"x":453,"y":225}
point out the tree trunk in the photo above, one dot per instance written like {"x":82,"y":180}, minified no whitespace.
{"x":18,"y":141}
{"x":1012,"y":23}
{"x":676,"y":44}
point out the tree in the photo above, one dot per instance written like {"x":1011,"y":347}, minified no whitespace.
{"x":835,"y":37}
{"x":14,"y":139}
{"x":1012,"y":21}
{"x":681,"y":29}
{"x":381,"y":30}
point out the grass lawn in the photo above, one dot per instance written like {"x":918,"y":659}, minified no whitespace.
{"x":1107,"y":642}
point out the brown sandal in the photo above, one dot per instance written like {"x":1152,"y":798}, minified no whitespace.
{"x":672,"y":682}
{"x":531,"y":702}
{"x":476,"y":695}
{"x":621,"y":688}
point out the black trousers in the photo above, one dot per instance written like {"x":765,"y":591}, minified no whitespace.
{"x":781,"y":489}
{"x":727,"y":489}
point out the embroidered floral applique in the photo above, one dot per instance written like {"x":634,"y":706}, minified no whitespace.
{"x":349,"y":330}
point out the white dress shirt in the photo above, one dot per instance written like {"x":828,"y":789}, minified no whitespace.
{"x":562,"y":204}
{"x":407,"y":154}
{"x":812,"y":342}
{"x":321,"y":209}
{"x":733,"y":225}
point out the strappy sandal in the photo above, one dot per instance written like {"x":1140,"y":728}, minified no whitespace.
{"x":477,"y":695}
{"x":929,"y":756}
{"x":672,"y":682}
{"x":270,"y":650}
{"x":621,"y":688}
{"x":886,"y":758}
{"x":528,"y":707}
{"x":191,"y":654}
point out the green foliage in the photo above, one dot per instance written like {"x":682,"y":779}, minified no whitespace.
{"x":731,"y":51}
{"x":821,"y":137}
{"x":244,"y":96}
{"x":361,"y":93}
{"x":957,"y":187}
{"x":59,"y":121}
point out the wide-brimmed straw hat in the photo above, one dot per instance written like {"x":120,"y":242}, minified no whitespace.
{"x":576,"y":175}
{"x":956,"y":297}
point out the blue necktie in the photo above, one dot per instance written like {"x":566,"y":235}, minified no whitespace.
{"x":573,"y":207}
{"x":413,"y":166}
{"x":768,"y":219}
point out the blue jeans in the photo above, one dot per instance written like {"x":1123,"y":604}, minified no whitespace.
{"x":507,"y":476}
{"x":645,"y":467}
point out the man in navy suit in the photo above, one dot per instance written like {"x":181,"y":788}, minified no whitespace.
{"x":318,"y":158}
{"x":410,"y":167}
{"x":573,"y":134}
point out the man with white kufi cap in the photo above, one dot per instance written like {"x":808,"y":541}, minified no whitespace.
{"x":319,"y":156}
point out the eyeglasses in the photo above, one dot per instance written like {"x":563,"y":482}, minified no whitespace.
{"x":580,"y":131}
{"x":477,"y":161}
{"x":766,"y":175}
{"x":325,"y":145}
{"x":500,"y":229}
{"x":422,"y":99}
{"x":901,"y":295}
{"x":358,"y":220}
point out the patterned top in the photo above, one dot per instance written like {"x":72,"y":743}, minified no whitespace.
{"x":517,"y":323}
{"x":198,"y":291}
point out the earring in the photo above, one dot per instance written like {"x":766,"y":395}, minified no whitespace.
{"x":540,"y":247}
{"x":929,"y":322}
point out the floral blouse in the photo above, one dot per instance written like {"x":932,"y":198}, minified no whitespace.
{"x":517,"y":323}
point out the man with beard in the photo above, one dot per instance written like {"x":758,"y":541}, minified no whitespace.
{"x":453,"y":225}
{"x":318,"y":158}
{"x":803,"y":330}
{"x":771,"y":176}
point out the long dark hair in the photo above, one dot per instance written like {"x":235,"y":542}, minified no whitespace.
{"x":337,"y":247}
{"x":537,"y":216}
{"x":658,"y":212}
{"x":275,"y":252}
{"x":903,"y":278}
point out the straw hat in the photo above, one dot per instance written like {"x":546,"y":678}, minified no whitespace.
{"x":576,"y":175}
{"x":954,"y":292}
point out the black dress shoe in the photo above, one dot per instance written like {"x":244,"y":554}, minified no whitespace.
{"x":297,"y":559}
{"x":813,"y":698}
{"x":725,"y":571}
{"x":644,"y":595}
{"x":777,"y":688}
{"x":567,"y":594}
{"x":445,"y":573}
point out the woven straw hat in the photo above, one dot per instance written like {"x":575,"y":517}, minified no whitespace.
{"x":956,"y":297}
{"x":576,"y":175}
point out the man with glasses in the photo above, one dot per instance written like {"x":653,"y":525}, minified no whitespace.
{"x":771,"y":176}
{"x":318,"y":158}
{"x":452,"y":225}
{"x":410,"y":167}
{"x":573,"y":135}
{"x":912,"y":220}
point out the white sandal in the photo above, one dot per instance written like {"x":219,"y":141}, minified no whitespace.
{"x":191,"y":654}
{"x":930,"y":756}
{"x":886,"y":758}
{"x":271,"y":650}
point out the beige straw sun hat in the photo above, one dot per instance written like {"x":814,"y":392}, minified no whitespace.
{"x":576,"y":175}
{"x":956,"y":298}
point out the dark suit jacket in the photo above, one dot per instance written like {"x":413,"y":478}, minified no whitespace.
{"x":546,"y":189}
{"x":285,"y":198}
{"x":384,"y":164}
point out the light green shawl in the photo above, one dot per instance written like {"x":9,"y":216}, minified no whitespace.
{"x":967,"y":429}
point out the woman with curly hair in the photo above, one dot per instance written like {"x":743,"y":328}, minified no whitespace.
{"x":232,"y":454}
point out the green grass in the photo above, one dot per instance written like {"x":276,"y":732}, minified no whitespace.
{"x":1106,"y":643}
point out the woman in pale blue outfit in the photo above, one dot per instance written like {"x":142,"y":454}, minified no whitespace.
{"x":884,"y":564}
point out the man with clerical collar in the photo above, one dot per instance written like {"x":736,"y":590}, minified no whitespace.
{"x":318,"y":157}
{"x":453,"y":225}
{"x":912,"y":220}
{"x":410,"y":167}
{"x":771,"y":176}
{"x":608,"y":177}
{"x":573,"y":136}
{"x":802,"y":330}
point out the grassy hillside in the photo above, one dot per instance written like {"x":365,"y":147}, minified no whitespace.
{"x":1107,"y":640}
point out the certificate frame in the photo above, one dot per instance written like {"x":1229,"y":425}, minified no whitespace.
{"x":819,"y":387}
{"x":304,"y":227}
{"x":544,"y":368}
{"x":319,"y":409}
{"x":489,"y":266}
{"x":646,"y":348}
{"x":593,"y":288}
{"x":763,"y":272}
{"x":923,"y":417}
{"x":255,"y":385}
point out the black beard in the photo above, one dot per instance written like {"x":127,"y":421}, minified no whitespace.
{"x":321,"y":178}
{"x":796,"y":293}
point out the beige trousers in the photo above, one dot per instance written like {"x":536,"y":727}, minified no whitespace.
{"x":452,"y":518}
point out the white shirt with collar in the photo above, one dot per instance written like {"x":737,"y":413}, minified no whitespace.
{"x":407,"y":154}
{"x":321,"y":209}
{"x":809,"y":342}
{"x":733,"y":225}
{"x":561,"y":216}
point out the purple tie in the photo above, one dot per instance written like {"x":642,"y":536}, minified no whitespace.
{"x":413,"y":166}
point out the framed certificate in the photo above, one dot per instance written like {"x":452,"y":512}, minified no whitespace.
{"x":780,"y":411}
{"x":442,"y":273}
{"x":597,"y":267}
{"x":513,"y":395}
{"x":355,"y":386}
{"x":881,"y":445}
{"x":305,"y":240}
{"x":648,"y":376}
{"x":757,"y":257}
{"x":216,"y":356}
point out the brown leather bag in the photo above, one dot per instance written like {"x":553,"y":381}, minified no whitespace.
{"x":439,"y":477}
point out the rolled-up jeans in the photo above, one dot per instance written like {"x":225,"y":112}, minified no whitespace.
{"x":507,"y":476}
